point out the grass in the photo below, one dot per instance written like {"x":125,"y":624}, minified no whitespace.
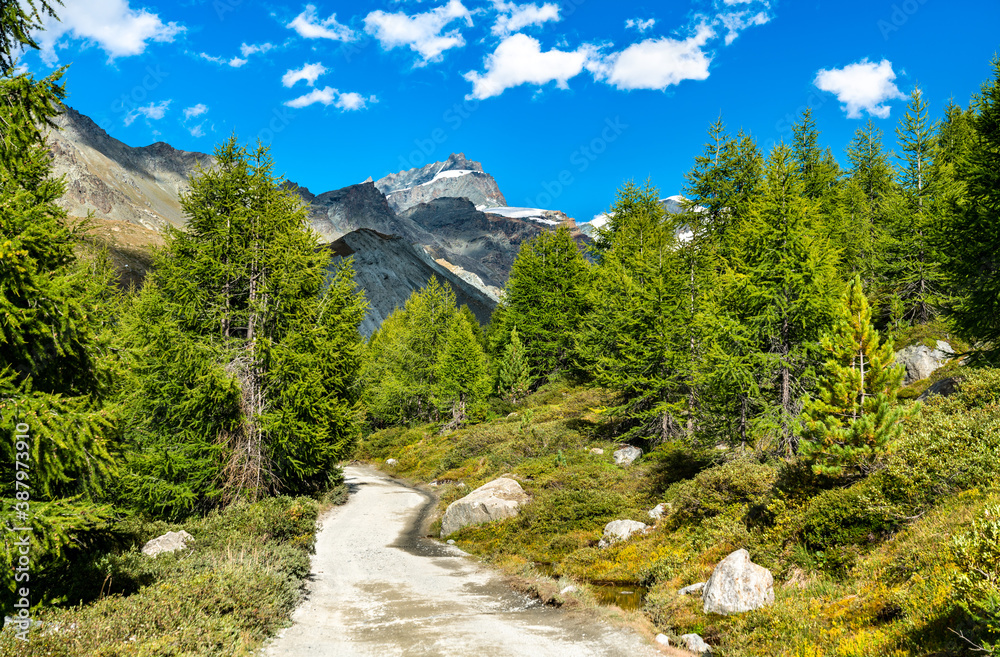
{"x":861,"y":568}
{"x":234,"y":587}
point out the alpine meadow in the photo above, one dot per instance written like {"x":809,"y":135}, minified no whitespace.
{"x":408,"y":416}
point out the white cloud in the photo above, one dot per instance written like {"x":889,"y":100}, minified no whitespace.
{"x":423,"y":33}
{"x":212,"y":58}
{"x":347,"y":101}
{"x":236,"y":62}
{"x":657,"y":63}
{"x":514,"y":17}
{"x":252,"y":49}
{"x":152,"y":112}
{"x":112,"y":25}
{"x":308,"y":25}
{"x":519,"y":60}
{"x":308,"y":72}
{"x":739,"y":21}
{"x":195,"y":110}
{"x":198,"y":130}
{"x":639,"y":24}
{"x":862,"y":86}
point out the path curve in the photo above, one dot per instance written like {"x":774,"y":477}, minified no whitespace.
{"x":379,"y":588}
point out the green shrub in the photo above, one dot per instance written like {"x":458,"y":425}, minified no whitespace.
{"x":844,"y":517}
{"x":741,"y":483}
{"x":977,"y":584}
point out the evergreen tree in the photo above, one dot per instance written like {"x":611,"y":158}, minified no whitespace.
{"x":854,"y":415}
{"x":919,"y":278}
{"x":972,"y":255}
{"x":636,"y":337}
{"x":544,"y":299}
{"x":513,"y":376}
{"x":463,"y":380}
{"x":784,"y":284}
{"x":247,"y":367}
{"x":401,"y":370}
{"x":817,"y":171}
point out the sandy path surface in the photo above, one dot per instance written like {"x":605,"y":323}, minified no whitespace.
{"x":379,"y":588}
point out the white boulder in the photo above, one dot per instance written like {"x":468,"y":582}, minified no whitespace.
{"x":620,"y":530}
{"x":663,"y":639}
{"x":169,"y":542}
{"x":694,"y":588}
{"x":391,"y":462}
{"x":738,"y":585}
{"x":626,"y":455}
{"x":657,"y":511}
{"x":696,"y":644}
{"x":921,"y":361}
{"x":500,"y":498}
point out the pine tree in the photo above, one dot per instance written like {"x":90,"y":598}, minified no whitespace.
{"x":258,"y":384}
{"x":972,"y":255}
{"x":513,"y":375}
{"x":854,"y":415}
{"x":636,"y":339}
{"x":401,"y":371}
{"x":544,"y":299}
{"x":463,"y":381}
{"x":919,"y":279}
{"x":784,"y":285}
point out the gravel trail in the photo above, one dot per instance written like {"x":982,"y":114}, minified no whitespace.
{"x":379,"y":588}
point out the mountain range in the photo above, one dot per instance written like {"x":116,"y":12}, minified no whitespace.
{"x":448,"y":219}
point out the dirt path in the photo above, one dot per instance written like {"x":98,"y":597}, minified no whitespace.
{"x":379,"y":588}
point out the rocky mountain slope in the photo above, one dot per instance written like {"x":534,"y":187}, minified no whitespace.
{"x":452,"y":213}
{"x":389,"y":269}
{"x":456,"y":177}
{"x":119,"y":182}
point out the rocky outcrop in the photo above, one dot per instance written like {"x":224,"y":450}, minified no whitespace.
{"x":117,"y":181}
{"x":389,"y":269}
{"x":335,"y":213}
{"x":738,"y":585}
{"x":456,"y":177}
{"x":944,"y":387}
{"x":169,"y":542}
{"x":499,"y":499}
{"x":620,"y":530}
{"x":921,"y":361}
{"x":627,"y":455}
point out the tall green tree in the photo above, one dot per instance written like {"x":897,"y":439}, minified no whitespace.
{"x":919,"y":281}
{"x":258,"y":396}
{"x":544,"y":299}
{"x":513,"y":374}
{"x":636,"y":337}
{"x":400,"y":374}
{"x":972,"y":257}
{"x":854,"y":415}
{"x":785,"y":282}
{"x":463,"y":376}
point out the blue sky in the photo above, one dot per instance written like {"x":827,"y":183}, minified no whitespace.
{"x":560,"y":101}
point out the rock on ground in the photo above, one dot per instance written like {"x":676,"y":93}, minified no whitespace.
{"x":169,"y":542}
{"x":657,"y":511}
{"x":620,"y":530}
{"x":663,"y":639}
{"x":694,"y":588}
{"x":626,"y":455}
{"x":921,"y":361}
{"x":696,"y":644}
{"x":738,"y":585}
{"x":500,"y":498}
{"x":596,"y":450}
{"x":391,"y":462}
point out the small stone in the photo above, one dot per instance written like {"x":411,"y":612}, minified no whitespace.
{"x":451,"y":541}
{"x":657,"y":511}
{"x":569,"y":589}
{"x":696,"y":644}
{"x":663,"y":639}
{"x":691,"y":590}
{"x":391,"y":462}
{"x":626,"y":455}
{"x":169,"y":542}
{"x":596,"y":450}
{"x":620,"y":530}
